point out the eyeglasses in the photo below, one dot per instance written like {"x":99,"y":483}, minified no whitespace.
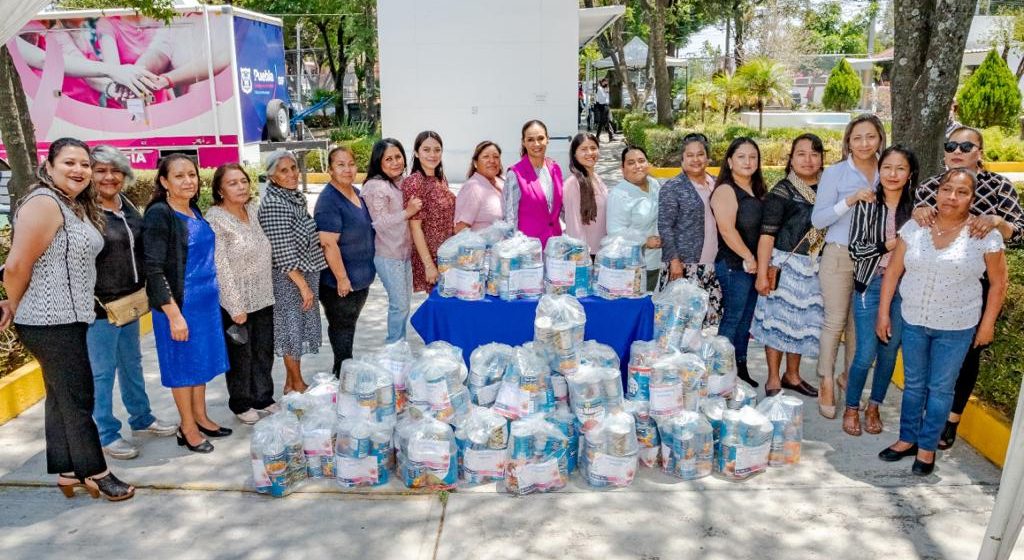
{"x":965,"y":147}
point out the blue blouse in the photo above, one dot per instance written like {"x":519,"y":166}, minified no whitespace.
{"x":336,"y":214}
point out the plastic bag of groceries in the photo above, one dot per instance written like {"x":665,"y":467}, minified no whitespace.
{"x":560,"y":390}
{"x":492,"y":234}
{"x":567,"y":266}
{"x":461,"y":266}
{"x":278,"y":462}
{"x":566,"y":422}
{"x":487,"y":366}
{"x":397,"y":358}
{"x":558,"y":328}
{"x":594,"y":353}
{"x":720,"y":359}
{"x":435,"y":383}
{"x":296,"y":403}
{"x":786,"y":413}
{"x":323,"y":391}
{"x":367,"y":391}
{"x":610,"y":449}
{"x":526,"y":388}
{"x":647,"y":436}
{"x":318,"y":440}
{"x":537,"y":457}
{"x":687,"y":445}
{"x":642,"y":355}
{"x":482,"y":437}
{"x":742,"y":395}
{"x":678,"y":382}
{"x":746,"y":438}
{"x":594,"y":392}
{"x":518,"y":267}
{"x":679,"y":311}
{"x":427,"y":454}
{"x":619,"y":270}
{"x":362,"y":452}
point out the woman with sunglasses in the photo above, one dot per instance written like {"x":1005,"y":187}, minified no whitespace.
{"x":996,"y":205}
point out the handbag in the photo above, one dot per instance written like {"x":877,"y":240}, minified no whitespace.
{"x":774,"y":272}
{"x":126,"y":309}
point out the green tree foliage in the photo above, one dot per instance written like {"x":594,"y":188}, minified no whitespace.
{"x":158,"y":9}
{"x":703,"y":94}
{"x":829,"y":32}
{"x":731,"y":93}
{"x":990,"y":96}
{"x":765,"y":81}
{"x":842,"y":92}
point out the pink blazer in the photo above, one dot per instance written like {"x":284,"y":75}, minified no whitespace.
{"x":535,"y":220}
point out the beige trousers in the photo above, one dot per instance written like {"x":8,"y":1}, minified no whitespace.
{"x":836,"y":277}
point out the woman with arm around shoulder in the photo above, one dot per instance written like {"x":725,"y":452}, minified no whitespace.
{"x":996,"y":206}
{"x":297,"y":259}
{"x":787,"y":318}
{"x":633,"y":208}
{"x":478,"y":204}
{"x":940,"y":267}
{"x":181,"y":281}
{"x":532,"y":196}
{"x":49,"y":276}
{"x":346,"y":234}
{"x":737,"y":203}
{"x":842,"y":185}
{"x":392,"y":243}
{"x":585,"y":196}
{"x":243,"y":257}
{"x":435,"y":222}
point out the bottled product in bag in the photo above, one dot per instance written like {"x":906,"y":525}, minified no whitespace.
{"x":518,"y":267}
{"x":619,"y":270}
{"x":642,"y":355}
{"x":537,"y":457}
{"x":526,"y":388}
{"x":678,"y":382}
{"x":786,"y":413}
{"x":610,"y":449}
{"x":563,"y":419}
{"x":322,"y":391}
{"x":428,"y":455}
{"x":362,"y":452}
{"x":679,"y":311}
{"x":367,"y":391}
{"x":492,"y":234}
{"x":567,"y":266}
{"x":687,"y":445}
{"x":558,"y":329}
{"x":741,"y":396}
{"x":318,"y":440}
{"x":487,"y":367}
{"x":435,"y":383}
{"x":278,"y":461}
{"x":461,"y":266}
{"x":482,"y":437}
{"x":746,"y":437}
{"x":397,"y":358}
{"x":647,"y":435}
{"x":594,"y":392}
{"x":720,"y":360}
{"x":594,"y":353}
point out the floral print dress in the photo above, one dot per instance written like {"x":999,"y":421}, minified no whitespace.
{"x":437,"y":220}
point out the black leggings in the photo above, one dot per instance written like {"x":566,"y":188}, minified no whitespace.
{"x":342,"y":314}
{"x":968,"y":377}
{"x":250,"y":384}
{"x":72,"y":440}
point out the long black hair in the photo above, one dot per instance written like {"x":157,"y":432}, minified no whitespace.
{"x":376,"y":168}
{"x":725,"y":174}
{"x":816,"y":144}
{"x":86,"y":204}
{"x":416,"y":165}
{"x":164,"y":170}
{"x":588,"y":199}
{"x":905,"y":207}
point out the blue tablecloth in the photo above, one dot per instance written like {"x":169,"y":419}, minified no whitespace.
{"x":468,"y":324}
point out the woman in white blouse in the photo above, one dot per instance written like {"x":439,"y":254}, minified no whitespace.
{"x":242,"y":254}
{"x":633,"y":208}
{"x":941,"y":266}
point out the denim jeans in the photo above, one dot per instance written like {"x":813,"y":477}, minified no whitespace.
{"x":739,"y":298}
{"x":115,"y":350}
{"x":869,"y":348}
{"x":931,"y":363}
{"x":396,"y":275}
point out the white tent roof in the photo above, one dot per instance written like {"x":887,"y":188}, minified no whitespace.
{"x":593,"y":21}
{"x":636,"y":56}
{"x":17,"y":15}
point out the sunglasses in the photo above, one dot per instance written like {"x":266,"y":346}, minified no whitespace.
{"x":965,"y":147}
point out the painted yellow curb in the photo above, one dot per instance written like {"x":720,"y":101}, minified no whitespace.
{"x":324,"y":177}
{"x":1004,"y":167}
{"x":985,"y":428}
{"x":24,"y":386}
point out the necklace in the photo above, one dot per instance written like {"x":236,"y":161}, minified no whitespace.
{"x":941,"y":232}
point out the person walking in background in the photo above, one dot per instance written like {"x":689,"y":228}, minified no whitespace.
{"x":602,"y":110}
{"x":478,"y":204}
{"x":532,"y":196}
{"x":435,"y":221}
{"x":585,"y":196}
{"x":633,"y":208}
{"x":244,"y":276}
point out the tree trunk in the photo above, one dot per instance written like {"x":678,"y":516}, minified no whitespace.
{"x":929,"y":51}
{"x":728,"y":39}
{"x":339,"y":78}
{"x":738,"y":15}
{"x":760,"y":115}
{"x":1020,"y":69}
{"x":619,"y":61}
{"x":16,"y":129}
{"x":662,"y":83}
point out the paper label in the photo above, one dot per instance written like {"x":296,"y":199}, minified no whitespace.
{"x":721,"y":384}
{"x":359,"y":470}
{"x":259,"y":474}
{"x":540,"y":474}
{"x":398,"y":371}
{"x":617,"y":281}
{"x":511,"y":398}
{"x":465,"y":283}
{"x":561,"y":273}
{"x":667,"y":399}
{"x":317,"y":442}
{"x":437,"y":395}
{"x":349,"y":408}
{"x":417,"y":388}
{"x":751,"y":459}
{"x":526,"y":280}
{"x":620,"y":469}
{"x":431,"y":452}
{"x":486,"y":395}
{"x":486,"y":462}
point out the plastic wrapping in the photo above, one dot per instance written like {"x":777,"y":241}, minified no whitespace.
{"x":526,"y":388}
{"x":427,"y":455}
{"x":461,"y":266}
{"x":278,"y":462}
{"x":567,"y":266}
{"x":720,"y":360}
{"x":593,"y":353}
{"x":678,"y":382}
{"x":558,"y":329}
{"x":487,"y":366}
{"x":296,"y":403}
{"x":647,"y":436}
{"x":786,"y":413}
{"x":560,"y":389}
{"x":679,"y":311}
{"x":537,"y":457}
{"x":642,"y":355}
{"x":322,"y":391}
{"x":687,"y":445}
{"x":482,"y":438}
{"x":742,"y":395}
{"x":397,"y":358}
{"x":594,"y":392}
{"x":367,"y":391}
{"x":566,"y":422}
{"x":362,"y":453}
{"x":435,"y":383}
{"x":492,"y":234}
{"x":619,"y":270}
{"x":517,"y":267}
{"x":746,"y":438}
{"x":610,"y":448}
{"x":318,"y":440}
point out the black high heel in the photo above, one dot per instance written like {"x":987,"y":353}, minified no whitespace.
{"x":948,"y":437}
{"x":202,"y":447}
{"x":219,"y":432}
{"x":110,"y":487}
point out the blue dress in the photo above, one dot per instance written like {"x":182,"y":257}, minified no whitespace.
{"x":203,"y":356}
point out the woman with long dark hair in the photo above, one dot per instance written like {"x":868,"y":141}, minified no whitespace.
{"x":584,"y":194}
{"x":533,"y":186}
{"x":435,"y":221}
{"x":478,"y":204}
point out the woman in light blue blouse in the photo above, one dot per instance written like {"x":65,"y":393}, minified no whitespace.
{"x":633,"y":208}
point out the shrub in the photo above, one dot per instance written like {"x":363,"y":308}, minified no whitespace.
{"x":363,"y":148}
{"x":618,"y":114}
{"x":12,"y":354}
{"x":1002,"y":147}
{"x":142,"y":190}
{"x":665,"y":146}
{"x":633,"y":126}
{"x":1003,"y":362}
{"x":990,"y":96}
{"x":842,"y":91}
{"x":351,"y":132}
{"x":316,"y":161}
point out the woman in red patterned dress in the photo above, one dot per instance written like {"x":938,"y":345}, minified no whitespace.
{"x":435,"y":222}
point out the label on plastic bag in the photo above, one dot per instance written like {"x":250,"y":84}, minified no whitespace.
{"x":617,"y":281}
{"x":540,"y":474}
{"x":317,"y":442}
{"x":666,"y":399}
{"x":561,"y":273}
{"x":463,"y":282}
{"x":528,"y":280}
{"x":486,"y":462}
{"x":259,"y":474}
{"x":614,"y":468}
{"x":720,"y":384}
{"x":512,"y":398}
{"x":349,"y":408}
{"x":751,"y":459}
{"x":486,"y":395}
{"x":398,"y":371}
{"x":430,"y":452}
{"x":357,"y":470}
{"x":437,"y":395}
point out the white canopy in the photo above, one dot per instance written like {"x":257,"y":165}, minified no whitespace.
{"x":593,"y":21}
{"x":636,"y":56}
{"x":19,"y":12}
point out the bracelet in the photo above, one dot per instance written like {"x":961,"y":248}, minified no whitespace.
{"x":170,"y":84}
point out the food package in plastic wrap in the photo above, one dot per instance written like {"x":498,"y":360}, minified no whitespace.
{"x":482,"y":437}
{"x":436,"y":383}
{"x":746,"y":439}
{"x":786,"y":413}
{"x":593,"y":353}
{"x":367,"y":391}
{"x":558,"y":328}
{"x":362,"y":452}
{"x":687,"y":445}
{"x":526,"y":388}
{"x":560,"y":390}
{"x":318,"y":440}
{"x":278,"y":462}
{"x":567,"y":266}
{"x":679,"y":311}
{"x":647,"y":436}
{"x":295,"y":402}
{"x":518,"y":267}
{"x":537,"y":457}
{"x":678,"y":382}
{"x":642,"y":355}
{"x":487,"y":366}
{"x":720,"y":360}
{"x":619,"y":270}
{"x":563,"y":418}
{"x":594,"y":392}
{"x":323,"y":390}
{"x":741,"y":396}
{"x":713,"y":409}
{"x":428,"y":455}
{"x":397,"y":358}
{"x":492,"y":234}
{"x":610,"y":449}
{"x":461,"y":266}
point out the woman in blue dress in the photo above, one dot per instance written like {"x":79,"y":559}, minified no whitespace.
{"x":181,"y":281}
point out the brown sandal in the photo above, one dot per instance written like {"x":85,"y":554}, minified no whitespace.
{"x":872,"y":420}
{"x":851,"y":421}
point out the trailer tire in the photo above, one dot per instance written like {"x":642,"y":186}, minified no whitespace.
{"x":277,"y":121}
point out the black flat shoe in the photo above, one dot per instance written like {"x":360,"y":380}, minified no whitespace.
{"x":203,"y":447}
{"x":219,"y":432}
{"x":804,"y":388}
{"x":744,"y":375}
{"x":921,"y":468}
{"x":890,"y":455}
{"x":948,"y":437}
{"x":771,"y":392}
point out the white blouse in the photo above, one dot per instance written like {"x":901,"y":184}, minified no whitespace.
{"x":941,"y":288}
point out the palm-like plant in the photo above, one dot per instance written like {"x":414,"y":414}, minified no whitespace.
{"x":764,"y":81}
{"x":731,"y":93}
{"x":703,"y":93}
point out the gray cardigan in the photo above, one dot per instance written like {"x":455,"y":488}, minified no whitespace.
{"x":680,"y":220}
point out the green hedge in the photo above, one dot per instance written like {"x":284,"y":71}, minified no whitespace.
{"x":1003,"y":364}
{"x":12,"y":354}
{"x":664,"y":146}
{"x":142,"y":190}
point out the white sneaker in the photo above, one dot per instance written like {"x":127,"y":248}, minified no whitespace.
{"x":249,"y":416}
{"x":159,"y":428}
{"x":121,"y":449}
{"x":274,"y":408}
